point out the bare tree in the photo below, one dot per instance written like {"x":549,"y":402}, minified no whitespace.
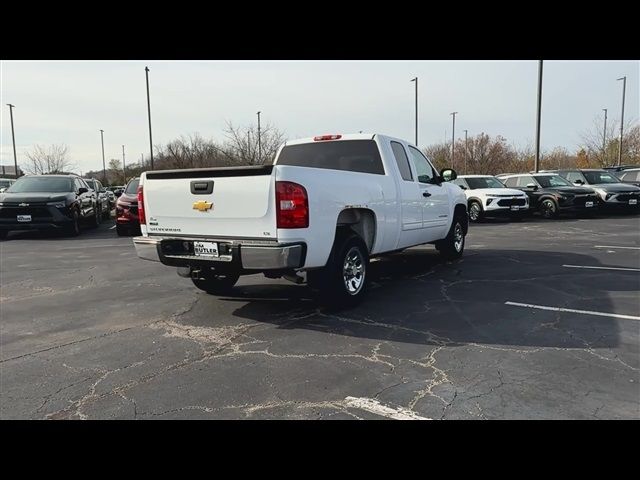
{"x":242,"y":144}
{"x":48,"y":160}
{"x":601,"y":153}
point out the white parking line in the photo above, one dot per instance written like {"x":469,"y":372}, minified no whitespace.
{"x":111,"y":228}
{"x":374,"y":406}
{"x":615,"y":246}
{"x":571,"y":310}
{"x":604,"y":268}
{"x":93,"y":246}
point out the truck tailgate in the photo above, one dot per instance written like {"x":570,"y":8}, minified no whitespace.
{"x":214,"y":202}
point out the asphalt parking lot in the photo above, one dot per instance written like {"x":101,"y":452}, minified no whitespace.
{"x":89,"y":331}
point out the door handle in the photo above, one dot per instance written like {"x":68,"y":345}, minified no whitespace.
{"x":426,"y":194}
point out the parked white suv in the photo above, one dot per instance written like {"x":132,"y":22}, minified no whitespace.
{"x":487,"y":196}
{"x":325,"y":206}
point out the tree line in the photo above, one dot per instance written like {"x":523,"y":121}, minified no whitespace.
{"x":480,"y":154}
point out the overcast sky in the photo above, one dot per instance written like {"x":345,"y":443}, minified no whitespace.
{"x":69,"y":102}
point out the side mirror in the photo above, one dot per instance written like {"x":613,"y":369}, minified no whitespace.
{"x":462,"y":187}
{"x":532,"y":186}
{"x":118,"y":193}
{"x":82,"y":190}
{"x":578,"y":182}
{"x":3,"y":189}
{"x":448,"y":174}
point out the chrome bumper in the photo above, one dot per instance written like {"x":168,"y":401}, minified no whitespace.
{"x":252,"y":257}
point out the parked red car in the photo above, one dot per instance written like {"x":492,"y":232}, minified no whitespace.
{"x":127,"y":222}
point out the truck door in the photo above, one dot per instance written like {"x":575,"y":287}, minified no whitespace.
{"x":410,"y":199}
{"x":434,"y":198}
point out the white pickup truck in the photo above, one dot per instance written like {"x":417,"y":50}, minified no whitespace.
{"x":317,"y":214}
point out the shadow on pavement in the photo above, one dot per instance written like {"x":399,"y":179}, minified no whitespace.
{"x":415,"y":298}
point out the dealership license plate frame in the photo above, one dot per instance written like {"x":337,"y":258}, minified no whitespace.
{"x":206,"y":249}
{"x":23,"y":218}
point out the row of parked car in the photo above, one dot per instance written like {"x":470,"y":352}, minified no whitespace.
{"x":551,"y":192}
{"x":65,"y":202}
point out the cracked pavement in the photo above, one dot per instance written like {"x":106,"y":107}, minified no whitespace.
{"x":89,"y":331}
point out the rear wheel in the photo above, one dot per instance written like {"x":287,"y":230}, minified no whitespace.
{"x":216,"y":284}
{"x":452,"y":247}
{"x":344,"y":280}
{"x":549,"y":208}
{"x":475,"y":211}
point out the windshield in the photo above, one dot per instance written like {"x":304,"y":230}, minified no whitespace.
{"x":552,"y":181}
{"x":41,"y":184}
{"x":484,"y":182}
{"x":594,"y":178}
{"x":132,"y":187}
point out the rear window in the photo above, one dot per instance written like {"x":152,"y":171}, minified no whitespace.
{"x":132,"y":187}
{"x":349,"y":155}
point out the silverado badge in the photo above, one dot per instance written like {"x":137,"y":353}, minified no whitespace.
{"x":202,"y":205}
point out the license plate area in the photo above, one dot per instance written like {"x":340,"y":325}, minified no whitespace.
{"x":633,"y":201}
{"x":515,"y":207}
{"x":206,"y":249}
{"x":23,"y":218}
{"x":588,"y":204}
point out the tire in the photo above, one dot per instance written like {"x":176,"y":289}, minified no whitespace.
{"x":216,"y":284}
{"x":452,"y":247}
{"x":549,"y":208}
{"x":122,"y":231}
{"x":96,"y":219}
{"x":344,"y":281}
{"x":475,"y":211}
{"x":73,"y":230}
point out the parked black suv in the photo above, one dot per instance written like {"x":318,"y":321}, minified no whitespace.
{"x":550,"y":194}
{"x":613,"y":193}
{"x":37,"y":202}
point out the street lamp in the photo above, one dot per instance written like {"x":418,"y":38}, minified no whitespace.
{"x":259,"y":140}
{"x":146,"y":69}
{"x":104,"y":168}
{"x":13,"y":137}
{"x":124,"y":170}
{"x":416,"y":100}
{"x":604,"y":135}
{"x":453,"y":139}
{"x":465,"y":151}
{"x":624,"y":87}
{"x":539,"y":111}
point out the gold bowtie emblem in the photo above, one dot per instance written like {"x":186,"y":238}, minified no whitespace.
{"x":202,"y":205}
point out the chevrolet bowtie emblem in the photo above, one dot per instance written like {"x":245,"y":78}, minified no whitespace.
{"x":23,"y":205}
{"x":202,"y":205}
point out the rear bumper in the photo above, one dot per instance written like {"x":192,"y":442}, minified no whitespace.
{"x":241,"y":255}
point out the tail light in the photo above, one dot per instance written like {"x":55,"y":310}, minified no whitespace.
{"x":292,"y":205}
{"x":141,"y":217}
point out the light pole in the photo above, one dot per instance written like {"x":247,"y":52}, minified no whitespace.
{"x":465,"y":152}
{"x":146,"y":69}
{"x":124,"y":169}
{"x":104,"y":168}
{"x":537,"y":165}
{"x":259,"y":140}
{"x":13,"y":137}
{"x":624,"y":87}
{"x":416,"y":100}
{"x":604,"y":136}
{"x":453,"y":139}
